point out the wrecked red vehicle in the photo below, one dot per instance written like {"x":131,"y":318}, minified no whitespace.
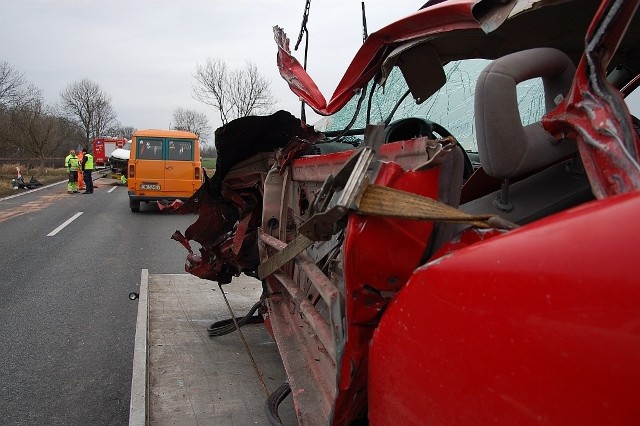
{"x":417,"y":271}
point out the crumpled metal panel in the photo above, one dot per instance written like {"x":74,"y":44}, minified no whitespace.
{"x":594,"y":111}
{"x":447,"y":16}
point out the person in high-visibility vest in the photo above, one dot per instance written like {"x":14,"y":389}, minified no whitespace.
{"x":87,"y":169}
{"x":72,"y":164}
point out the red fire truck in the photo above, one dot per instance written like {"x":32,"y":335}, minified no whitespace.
{"x":103,"y":147}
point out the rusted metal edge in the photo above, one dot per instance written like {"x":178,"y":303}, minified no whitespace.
{"x":310,"y":313}
{"x":325,"y":287}
{"x":331,"y":334}
{"x":310,"y":372}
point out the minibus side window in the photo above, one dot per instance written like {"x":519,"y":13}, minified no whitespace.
{"x":149,"y":149}
{"x":180,"y":150}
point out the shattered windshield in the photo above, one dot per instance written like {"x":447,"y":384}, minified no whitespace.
{"x":451,"y":106}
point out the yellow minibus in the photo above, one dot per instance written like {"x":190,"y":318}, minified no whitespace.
{"x":164,"y":165}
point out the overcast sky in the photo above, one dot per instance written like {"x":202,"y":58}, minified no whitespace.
{"x":144,"y":52}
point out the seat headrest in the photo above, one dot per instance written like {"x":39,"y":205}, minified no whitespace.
{"x":506,"y":147}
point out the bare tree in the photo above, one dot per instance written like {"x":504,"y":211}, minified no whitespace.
{"x":105,"y":116}
{"x":6,"y":149}
{"x":89,"y":107}
{"x":35,"y":131}
{"x":121,"y":131}
{"x":235,"y":93}
{"x":15,"y":91}
{"x":211,"y":86}
{"x":192,"y":121}
{"x":12,"y":85}
{"x":250,"y":92}
{"x":22,"y":98}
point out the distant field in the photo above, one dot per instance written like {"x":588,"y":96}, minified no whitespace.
{"x":209,"y":164}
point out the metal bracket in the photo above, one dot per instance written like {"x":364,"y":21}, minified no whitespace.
{"x":336,"y":197}
{"x":339,"y":193}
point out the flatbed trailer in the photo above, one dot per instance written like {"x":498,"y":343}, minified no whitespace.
{"x":183,"y":376}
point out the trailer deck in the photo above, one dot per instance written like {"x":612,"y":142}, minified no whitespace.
{"x":183,"y":376}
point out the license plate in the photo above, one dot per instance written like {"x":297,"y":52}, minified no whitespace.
{"x":153,"y":186}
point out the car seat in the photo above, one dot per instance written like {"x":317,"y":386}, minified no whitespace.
{"x":509,"y":150}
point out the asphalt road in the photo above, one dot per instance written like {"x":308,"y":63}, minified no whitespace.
{"x":66,"y":325}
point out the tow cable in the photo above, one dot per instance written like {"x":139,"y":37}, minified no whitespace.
{"x":225,"y":327}
{"x":220,"y":328}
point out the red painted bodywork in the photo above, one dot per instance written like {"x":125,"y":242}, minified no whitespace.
{"x":381,"y":253}
{"x":535,"y":326}
{"x":595,"y":112}
{"x":538,"y":326}
{"x":444,"y":17}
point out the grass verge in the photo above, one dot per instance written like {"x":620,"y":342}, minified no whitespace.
{"x":44,"y":175}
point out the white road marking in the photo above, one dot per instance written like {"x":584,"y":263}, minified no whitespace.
{"x":111,"y":190}
{"x":61,"y":227}
{"x":40,"y":188}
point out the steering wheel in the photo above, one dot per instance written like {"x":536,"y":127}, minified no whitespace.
{"x":468,"y":165}
{"x":407,"y":128}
